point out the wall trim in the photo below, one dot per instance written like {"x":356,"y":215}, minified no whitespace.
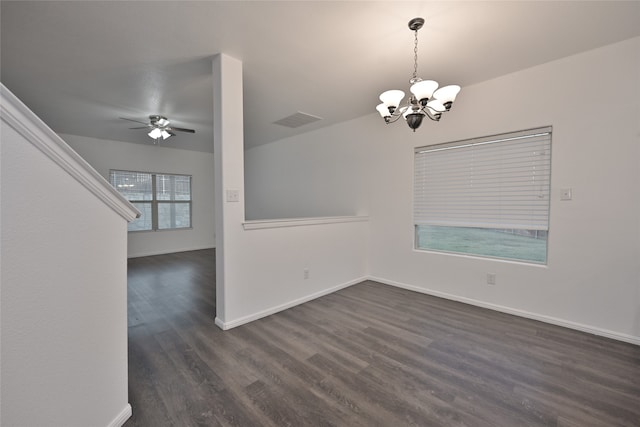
{"x":516,"y":312}
{"x":170,"y":251}
{"x":220,"y":324}
{"x":264,"y":313}
{"x":122,"y":417}
{"x":18,"y":116}
{"x":298,"y":222}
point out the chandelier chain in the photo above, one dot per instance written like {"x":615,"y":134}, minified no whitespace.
{"x":415,"y":56}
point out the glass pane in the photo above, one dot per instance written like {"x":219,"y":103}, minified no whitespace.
{"x":144,"y":222}
{"x":173,"y":187}
{"x":174,"y":215}
{"x":522,"y":245}
{"x":132,"y":185}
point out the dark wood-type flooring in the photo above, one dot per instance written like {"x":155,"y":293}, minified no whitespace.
{"x":368,"y":355}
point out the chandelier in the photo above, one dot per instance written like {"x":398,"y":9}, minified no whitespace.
{"x":425,"y":100}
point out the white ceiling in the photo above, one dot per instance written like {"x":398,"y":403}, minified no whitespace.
{"x":82,"y":65}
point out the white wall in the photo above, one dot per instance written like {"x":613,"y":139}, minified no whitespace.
{"x":104,"y":155}
{"x":260,"y":271}
{"x":330,"y":179}
{"x":64,"y":295}
{"x":592,"y":277}
{"x":592,"y":280}
{"x":265,"y":267}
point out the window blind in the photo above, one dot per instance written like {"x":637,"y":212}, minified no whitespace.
{"x":163,"y":199}
{"x":502,"y":181}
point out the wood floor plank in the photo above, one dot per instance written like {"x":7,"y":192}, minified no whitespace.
{"x":368,"y":355}
{"x":143,"y":389}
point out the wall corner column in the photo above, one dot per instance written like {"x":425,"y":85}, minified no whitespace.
{"x":228,"y":143}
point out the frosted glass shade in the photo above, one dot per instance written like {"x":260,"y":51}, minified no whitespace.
{"x":165,"y":134}
{"x":424,"y":89}
{"x":392,"y":98}
{"x":155,"y":133}
{"x":436,"y":106}
{"x":406,"y":111}
{"x":162,"y":122}
{"x":447,"y":93}
{"x":383,"y":110}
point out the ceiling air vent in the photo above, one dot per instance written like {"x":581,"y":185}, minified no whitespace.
{"x":298,"y":119}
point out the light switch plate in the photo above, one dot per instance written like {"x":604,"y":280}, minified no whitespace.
{"x":565,"y":194}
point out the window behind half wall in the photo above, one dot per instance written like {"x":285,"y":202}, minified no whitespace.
{"x":164,"y":199}
{"x":485,"y":196}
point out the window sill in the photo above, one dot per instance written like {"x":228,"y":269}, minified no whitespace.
{"x":482,"y":257}
{"x":161,"y":229}
{"x":300,"y":222}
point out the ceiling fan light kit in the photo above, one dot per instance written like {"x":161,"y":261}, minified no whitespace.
{"x":160,"y":127}
{"x":425,"y":100}
{"x":156,"y":133}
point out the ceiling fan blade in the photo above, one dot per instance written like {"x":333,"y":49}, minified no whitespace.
{"x":132,"y":120}
{"x":141,"y":127}
{"x":181,"y":129}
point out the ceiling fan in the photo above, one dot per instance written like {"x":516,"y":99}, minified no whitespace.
{"x":160,"y":127}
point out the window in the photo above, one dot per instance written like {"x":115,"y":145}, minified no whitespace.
{"x":163,"y":199}
{"x":485,"y":196}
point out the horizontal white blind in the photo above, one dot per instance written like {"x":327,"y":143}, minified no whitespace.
{"x":494,"y":182}
{"x":164,"y":200}
{"x":135,"y":186}
{"x":173,"y":187}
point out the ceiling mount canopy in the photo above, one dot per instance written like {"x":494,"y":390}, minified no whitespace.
{"x":425,"y":100}
{"x":416,"y":23}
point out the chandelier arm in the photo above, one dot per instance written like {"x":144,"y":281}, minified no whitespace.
{"x":437,"y":111}
{"x":427,"y":113}
{"x":394,"y":118}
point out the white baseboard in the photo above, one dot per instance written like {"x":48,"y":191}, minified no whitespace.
{"x":122,"y":417}
{"x":264,"y":313}
{"x":516,"y":312}
{"x":220,"y":324}
{"x":171,"y":251}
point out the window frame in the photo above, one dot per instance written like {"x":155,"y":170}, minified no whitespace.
{"x":154,"y":202}
{"x":497,"y":249}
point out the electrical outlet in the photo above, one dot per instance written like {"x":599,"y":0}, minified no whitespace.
{"x":305,"y":273}
{"x":565,"y":194}
{"x":233,"y":196}
{"x":491,"y":278}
